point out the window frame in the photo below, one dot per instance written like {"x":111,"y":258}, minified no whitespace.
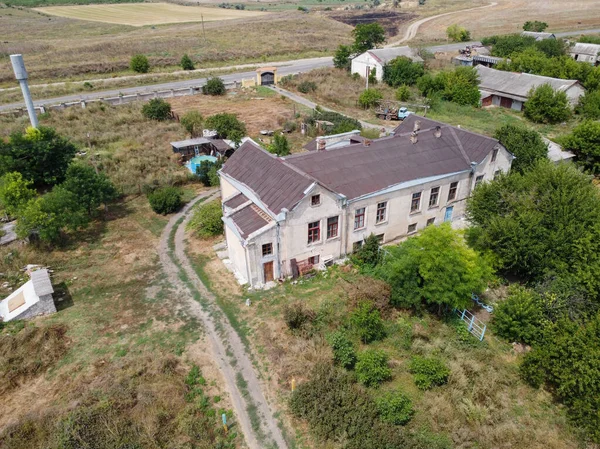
{"x":337,"y":227}
{"x":430,"y":221}
{"x":453,"y":191}
{"x":497,"y":173}
{"x":413,"y":209}
{"x":437,"y":196}
{"x":414,"y":226}
{"x":314,"y":260}
{"x":478,"y":180}
{"x":378,"y":219}
{"x":312,"y":200}
{"x":494,"y":155}
{"x":311,"y":232}
{"x":362,"y":216}
{"x":270,"y":249}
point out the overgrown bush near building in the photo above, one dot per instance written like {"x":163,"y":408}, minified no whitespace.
{"x":344,"y":352}
{"x":372,"y":367}
{"x":536,"y":26}
{"x":526,"y":144}
{"x":369,"y":255}
{"x":306,"y":87}
{"x":395,"y":408}
{"x":402,"y":71}
{"x":341,"y":123}
{"x":519,"y":317}
{"x":280,"y":145}
{"x":584,"y":141}
{"x":459,"y":86}
{"x":589,"y":105}
{"x":157,"y":109}
{"x":15,"y":192}
{"x":369,"y":98}
{"x":545,"y":105}
{"x":206,"y":220}
{"x":165,"y":200}
{"x":228,"y":126}
{"x":297,"y":316}
{"x":457,"y":33}
{"x":429,"y":372}
{"x":214,"y":86}
{"x":403,"y":93}
{"x":139,"y":64}
{"x":192,"y":122}
{"x":366,"y":322}
{"x":207,"y":172}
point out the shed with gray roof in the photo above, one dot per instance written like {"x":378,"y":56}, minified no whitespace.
{"x":538,"y":36}
{"x":586,"y":53}
{"x":378,"y":57}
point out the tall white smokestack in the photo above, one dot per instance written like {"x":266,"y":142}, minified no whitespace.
{"x":21,"y":75}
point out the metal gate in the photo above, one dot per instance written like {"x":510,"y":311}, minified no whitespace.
{"x":267,"y":79}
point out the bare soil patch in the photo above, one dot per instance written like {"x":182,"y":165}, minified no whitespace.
{"x":390,"y":20}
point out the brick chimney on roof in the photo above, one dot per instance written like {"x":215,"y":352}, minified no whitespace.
{"x":414,"y":138}
{"x":438,"y":132}
{"x":367,"y":142}
{"x":321,"y":144}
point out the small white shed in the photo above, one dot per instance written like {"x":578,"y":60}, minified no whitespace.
{"x":586,"y":53}
{"x":378,"y":57}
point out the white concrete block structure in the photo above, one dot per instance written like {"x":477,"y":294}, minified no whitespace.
{"x":378,"y":57}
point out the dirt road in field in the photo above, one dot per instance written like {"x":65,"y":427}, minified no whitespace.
{"x":253,"y":412}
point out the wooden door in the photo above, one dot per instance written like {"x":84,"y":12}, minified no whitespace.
{"x":268,"y":270}
{"x":506,"y":102}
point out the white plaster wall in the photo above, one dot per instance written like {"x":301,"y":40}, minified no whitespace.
{"x":574,"y":93}
{"x":360,"y":63}
{"x":227,"y":190}
{"x":256,"y":258}
{"x":237,"y":254}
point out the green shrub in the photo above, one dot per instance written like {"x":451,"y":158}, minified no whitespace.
{"x":206,"y":221}
{"x":457,"y":33}
{"x":367,"y":323}
{"x":589,"y":105}
{"x":139,"y":64}
{"x":192,"y":122}
{"x":297,"y":316}
{"x":344,"y":353}
{"x":584,"y":141}
{"x":15,"y":192}
{"x":403,"y":93}
{"x":369,"y":254}
{"x":342,"y":58}
{"x":228,"y":126}
{"x":372,"y":367}
{"x":402,"y":71}
{"x":280,"y":145}
{"x":545,"y":105}
{"x":186,"y":63}
{"x":207,"y":172}
{"x":165,"y":200}
{"x":369,"y":98}
{"x":307,"y":86}
{"x":535,"y":25}
{"x":526,"y":144}
{"x":395,"y":408}
{"x":214,"y":86}
{"x":157,"y":109}
{"x":429,"y":372}
{"x":519,"y":317}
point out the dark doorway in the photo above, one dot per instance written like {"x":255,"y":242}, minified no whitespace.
{"x":506,"y":102}
{"x":268,"y":270}
{"x":267,"y":79}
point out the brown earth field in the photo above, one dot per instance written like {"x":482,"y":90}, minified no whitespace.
{"x":390,"y":20}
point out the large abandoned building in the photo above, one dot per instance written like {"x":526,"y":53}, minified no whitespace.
{"x":284,"y":216}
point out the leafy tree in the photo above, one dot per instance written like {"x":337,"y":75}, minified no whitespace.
{"x":536,"y":26}
{"x":90,"y":188}
{"x":165,"y":200}
{"x":545,"y":105}
{"x":139,"y":64}
{"x":535,"y":60}
{"x":457,"y":33}
{"x":589,"y":105}
{"x":40,"y":155}
{"x":157,"y":109}
{"x":373,"y":76}
{"x":436,"y":267}
{"x":341,"y":123}
{"x":372,"y":367}
{"x":369,"y":254}
{"x":458,"y":86}
{"x":429,"y":372}
{"x":543,"y":222}
{"x":343,"y":57}
{"x":186,"y":63}
{"x":551,"y":47}
{"x":592,"y":80}
{"x":15,"y":192}
{"x":344,"y":353}
{"x":403,"y":93}
{"x":207,"y":172}
{"x":214,"y":86}
{"x":280,"y":145}
{"x":584,"y":141}
{"x":206,"y":221}
{"x":526,"y":144}
{"x":368,"y":36}
{"x":395,"y":407}
{"x":567,"y":360}
{"x":369,"y":98}
{"x":227,"y":126}
{"x":402,"y":71}
{"x":367,"y":323}
{"x":519,"y":317}
{"x":506,"y":46}
{"x":192,"y":122}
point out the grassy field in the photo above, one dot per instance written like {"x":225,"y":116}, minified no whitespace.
{"x":140,"y":14}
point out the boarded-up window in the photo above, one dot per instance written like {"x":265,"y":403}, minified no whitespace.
{"x":16,"y":302}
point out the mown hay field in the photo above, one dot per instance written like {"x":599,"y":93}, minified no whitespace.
{"x":140,"y":14}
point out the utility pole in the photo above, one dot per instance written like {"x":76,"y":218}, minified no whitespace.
{"x":203,"y":31}
{"x":368,"y":73}
{"x":21,"y":75}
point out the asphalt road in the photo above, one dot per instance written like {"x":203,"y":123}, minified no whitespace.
{"x":284,"y":68}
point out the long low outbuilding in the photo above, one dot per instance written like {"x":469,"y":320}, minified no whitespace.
{"x":583,"y":52}
{"x":510,"y":90}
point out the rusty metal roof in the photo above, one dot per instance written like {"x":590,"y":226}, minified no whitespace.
{"x":357,"y":170}
{"x":236,"y":201}
{"x":250,"y":219}
{"x":277,"y":184}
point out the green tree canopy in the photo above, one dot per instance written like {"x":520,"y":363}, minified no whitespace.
{"x":343,"y":57}
{"x":545,"y":105}
{"x":186,"y":63}
{"x":192,"y":122}
{"x":157,"y":109}
{"x":584,"y":141}
{"x":589,"y":105}
{"x":40,"y":155}
{"x":535,"y":25}
{"x":544,"y":221}
{"x":91,"y":189}
{"x":214,"y":86}
{"x":437,"y":268}
{"x":402,"y":71}
{"x":15,"y":192}
{"x":367,"y":36}
{"x":369,"y":97}
{"x":458,"y":86}
{"x":280,"y":145}
{"x":228,"y":126}
{"x":457,"y":33}
{"x":139,"y":64}
{"x":526,"y":144}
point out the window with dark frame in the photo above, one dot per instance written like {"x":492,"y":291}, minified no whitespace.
{"x":494,"y":154}
{"x":357,"y":245}
{"x":314,"y":232}
{"x":497,"y":173}
{"x":332,"y":227}
{"x":430,"y":221}
{"x":412,"y":228}
{"x":267,"y":249}
{"x":314,"y":260}
{"x":478,"y":180}
{"x":381,"y":212}
{"x":415,"y":204}
{"x":315,"y":200}
{"x":452,"y":191}
{"x":359,"y":218}
{"x":434,"y":196}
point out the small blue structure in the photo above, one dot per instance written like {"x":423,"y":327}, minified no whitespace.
{"x":474,"y":325}
{"x":196,"y":160}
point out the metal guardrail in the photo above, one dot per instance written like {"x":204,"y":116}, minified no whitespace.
{"x":474,"y":325}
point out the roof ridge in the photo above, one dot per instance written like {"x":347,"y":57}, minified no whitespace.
{"x":460,"y":146}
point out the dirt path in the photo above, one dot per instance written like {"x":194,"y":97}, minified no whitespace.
{"x":253,"y":412}
{"x":413,"y":28}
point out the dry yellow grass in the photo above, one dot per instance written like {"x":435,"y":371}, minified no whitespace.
{"x":140,"y":14}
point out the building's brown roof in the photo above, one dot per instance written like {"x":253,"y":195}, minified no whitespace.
{"x":236,"y":201}
{"x":277,"y":184}
{"x":357,"y":170}
{"x":250,"y":219}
